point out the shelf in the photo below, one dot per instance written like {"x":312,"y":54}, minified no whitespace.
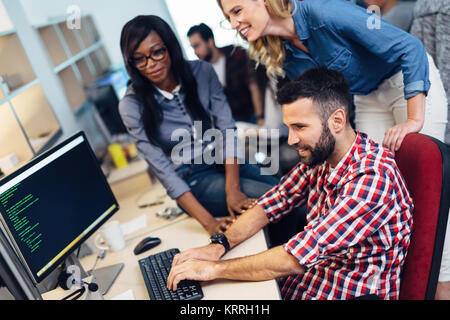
{"x":12,"y":138}
{"x":74,"y":91}
{"x":36,"y":115}
{"x":54,"y":47}
{"x":92,"y":29}
{"x":77,"y":57}
{"x":69,"y":37}
{"x":96,"y":62}
{"x":18,"y":73}
{"x":104,"y":59}
{"x":85,"y":72}
{"x":85,"y":34}
{"x":23,"y":88}
{"x":45,"y":141}
{"x":7,"y":32}
{"x":100,"y":61}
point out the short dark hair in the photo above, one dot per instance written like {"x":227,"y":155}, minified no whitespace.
{"x":205,"y":32}
{"x":328,"y":89}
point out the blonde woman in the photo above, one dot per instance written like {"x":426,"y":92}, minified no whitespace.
{"x":389,"y":71}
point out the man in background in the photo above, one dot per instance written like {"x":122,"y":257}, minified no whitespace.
{"x":236,"y":74}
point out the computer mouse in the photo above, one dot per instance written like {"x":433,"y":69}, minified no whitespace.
{"x":146,"y":244}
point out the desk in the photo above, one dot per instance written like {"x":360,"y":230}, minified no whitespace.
{"x":183,"y":232}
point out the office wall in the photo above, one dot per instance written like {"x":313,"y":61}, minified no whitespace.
{"x":109,"y":15}
{"x":5,"y":23}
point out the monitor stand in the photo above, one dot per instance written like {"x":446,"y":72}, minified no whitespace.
{"x":104,"y":277}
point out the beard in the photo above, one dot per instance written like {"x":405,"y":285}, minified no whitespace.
{"x":209,"y":55}
{"x":322,"y":151}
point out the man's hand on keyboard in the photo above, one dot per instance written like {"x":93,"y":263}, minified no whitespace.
{"x":191,"y":270}
{"x":211,"y":252}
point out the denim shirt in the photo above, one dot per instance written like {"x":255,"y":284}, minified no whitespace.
{"x":337,"y":35}
{"x":175,"y":117}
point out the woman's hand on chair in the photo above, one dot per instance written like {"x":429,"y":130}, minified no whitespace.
{"x":393,"y":138}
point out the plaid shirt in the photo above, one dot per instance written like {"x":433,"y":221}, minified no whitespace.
{"x":359,"y":225}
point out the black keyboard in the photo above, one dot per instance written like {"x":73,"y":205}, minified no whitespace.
{"x":155,"y":270}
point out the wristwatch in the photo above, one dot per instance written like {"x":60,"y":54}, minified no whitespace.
{"x":220,"y":238}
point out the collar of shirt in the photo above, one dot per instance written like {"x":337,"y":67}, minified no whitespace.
{"x":337,"y":173}
{"x":301,"y":25}
{"x":169,"y":95}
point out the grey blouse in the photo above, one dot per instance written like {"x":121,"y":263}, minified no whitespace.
{"x":179,"y":142}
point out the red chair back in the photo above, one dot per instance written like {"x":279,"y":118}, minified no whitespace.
{"x":423,"y":163}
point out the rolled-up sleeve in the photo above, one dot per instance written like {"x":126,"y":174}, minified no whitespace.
{"x":387,"y":42}
{"x":291,"y":192}
{"x":160,"y":164}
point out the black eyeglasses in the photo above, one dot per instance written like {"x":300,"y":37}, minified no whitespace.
{"x":156,"y":55}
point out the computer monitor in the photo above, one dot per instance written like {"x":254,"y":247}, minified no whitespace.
{"x":50,"y":206}
{"x":118,"y":79}
{"x":107,"y":105}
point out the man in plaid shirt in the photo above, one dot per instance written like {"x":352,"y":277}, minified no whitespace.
{"x":359,"y":210}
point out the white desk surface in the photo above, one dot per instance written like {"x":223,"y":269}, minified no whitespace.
{"x":183,"y":233}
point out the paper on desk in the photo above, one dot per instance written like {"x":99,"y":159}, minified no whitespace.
{"x":134,"y":225}
{"x":127,"y":295}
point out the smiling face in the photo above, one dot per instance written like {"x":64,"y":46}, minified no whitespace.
{"x":307,"y":133}
{"x":158,"y":72}
{"x":249,"y":17}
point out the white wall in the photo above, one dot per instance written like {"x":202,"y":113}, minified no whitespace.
{"x":109,"y":15}
{"x":5,"y":23}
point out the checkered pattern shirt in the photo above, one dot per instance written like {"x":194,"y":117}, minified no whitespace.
{"x":359,"y":225}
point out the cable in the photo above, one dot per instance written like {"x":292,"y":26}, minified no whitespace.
{"x":100,"y":255}
{"x":76,"y":294}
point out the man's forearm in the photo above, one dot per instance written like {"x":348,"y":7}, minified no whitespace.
{"x":267,"y":265}
{"x":247,"y":225}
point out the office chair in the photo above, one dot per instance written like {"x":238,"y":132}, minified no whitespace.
{"x":425,"y":165}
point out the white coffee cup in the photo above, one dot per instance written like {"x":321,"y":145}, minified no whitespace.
{"x":111,"y":233}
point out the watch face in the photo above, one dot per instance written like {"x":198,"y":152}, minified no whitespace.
{"x":217,"y":236}
{"x":220,"y":238}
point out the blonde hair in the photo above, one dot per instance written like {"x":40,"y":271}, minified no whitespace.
{"x":269,"y":50}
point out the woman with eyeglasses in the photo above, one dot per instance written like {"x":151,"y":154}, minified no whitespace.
{"x":171,"y":99}
{"x":388,"y":70}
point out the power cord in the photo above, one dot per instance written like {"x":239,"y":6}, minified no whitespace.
{"x":100,"y":256}
{"x":77,"y":293}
